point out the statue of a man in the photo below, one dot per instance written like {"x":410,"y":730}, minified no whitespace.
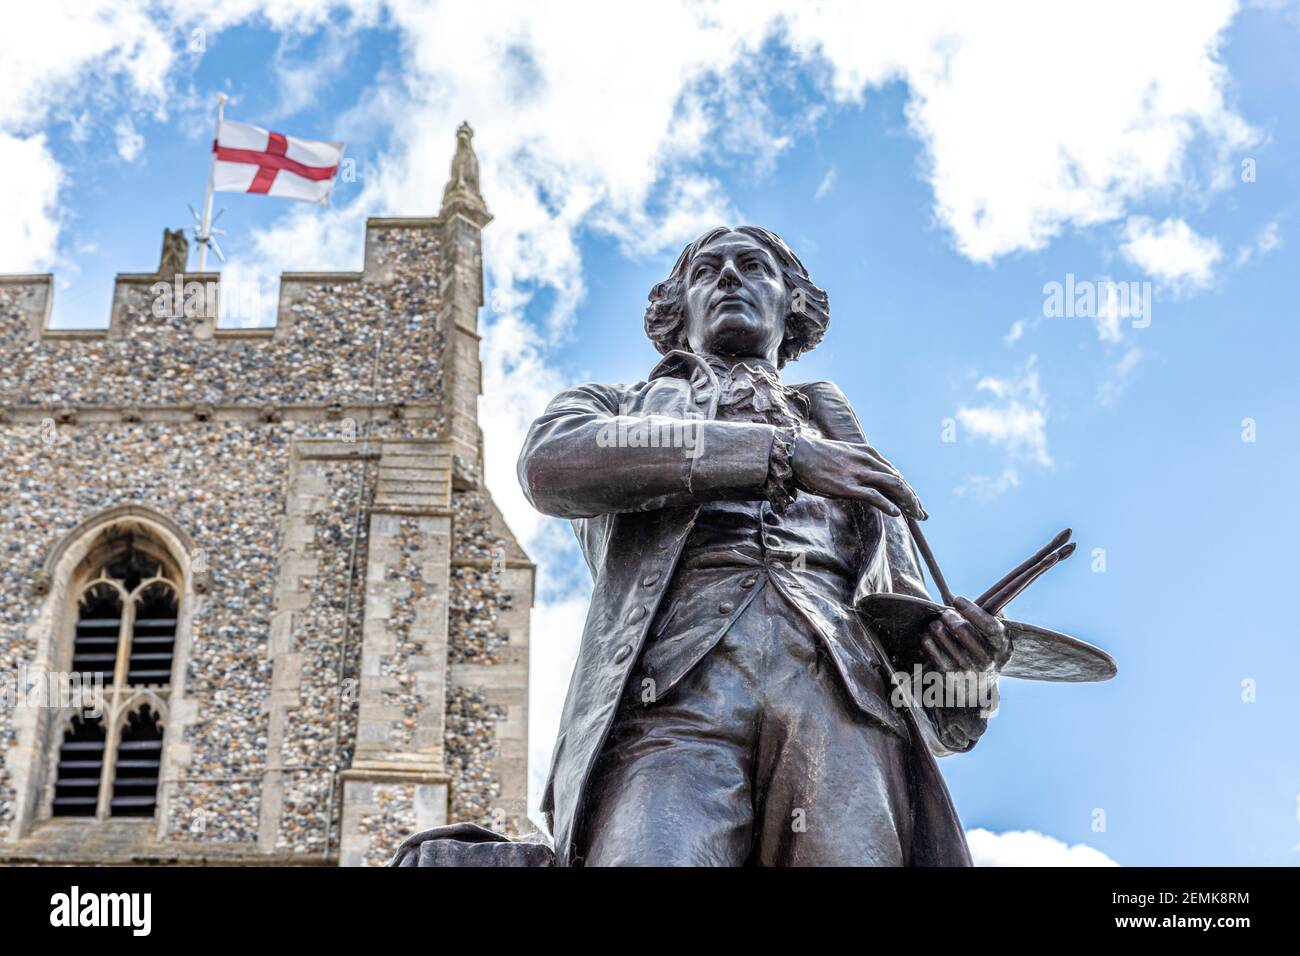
{"x":729,"y":706}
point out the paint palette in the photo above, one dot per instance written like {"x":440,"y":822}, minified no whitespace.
{"x":1037,"y":653}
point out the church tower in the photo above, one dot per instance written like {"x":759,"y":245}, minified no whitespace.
{"x":267,"y":558}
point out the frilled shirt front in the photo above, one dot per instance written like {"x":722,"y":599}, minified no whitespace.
{"x":807,"y":547}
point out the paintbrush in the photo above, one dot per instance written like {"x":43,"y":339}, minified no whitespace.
{"x":935,"y":574}
{"x":1024,"y":566}
{"x":1010,"y":585}
{"x":1011,"y":589}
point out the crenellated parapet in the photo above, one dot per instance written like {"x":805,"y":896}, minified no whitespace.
{"x":361,"y":337}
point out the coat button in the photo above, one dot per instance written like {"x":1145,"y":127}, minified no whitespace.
{"x":650,"y":580}
{"x":773,"y":542}
{"x":726,"y":607}
{"x":701,"y":398}
{"x":622,"y":653}
{"x":636,"y":615}
{"x":749,"y":582}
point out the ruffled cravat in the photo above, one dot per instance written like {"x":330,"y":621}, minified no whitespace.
{"x":752,"y":391}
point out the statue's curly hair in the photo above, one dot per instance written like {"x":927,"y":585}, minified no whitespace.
{"x":810,"y":307}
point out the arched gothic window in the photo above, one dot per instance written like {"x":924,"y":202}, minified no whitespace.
{"x":128,"y":605}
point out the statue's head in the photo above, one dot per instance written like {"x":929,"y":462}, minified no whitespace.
{"x":738,"y":291}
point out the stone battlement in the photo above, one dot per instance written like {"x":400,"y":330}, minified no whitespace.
{"x":351,"y":338}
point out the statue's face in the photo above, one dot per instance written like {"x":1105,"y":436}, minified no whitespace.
{"x":736,"y":299}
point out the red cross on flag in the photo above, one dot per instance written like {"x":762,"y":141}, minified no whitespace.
{"x":249,"y":159}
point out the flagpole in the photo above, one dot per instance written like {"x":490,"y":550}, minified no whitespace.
{"x":205,"y":225}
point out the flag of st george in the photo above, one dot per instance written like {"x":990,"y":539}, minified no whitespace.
{"x":253,"y":160}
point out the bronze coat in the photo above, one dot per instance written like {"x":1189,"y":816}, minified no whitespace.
{"x":632,"y":509}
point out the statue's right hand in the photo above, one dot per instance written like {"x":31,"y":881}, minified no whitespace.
{"x":837,"y":469}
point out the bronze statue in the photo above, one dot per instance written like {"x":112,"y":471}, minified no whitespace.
{"x":175,"y":253}
{"x":754,"y":683}
{"x":729,"y":706}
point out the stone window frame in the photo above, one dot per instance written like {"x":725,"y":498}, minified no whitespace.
{"x":67,"y":569}
{"x":121,"y":699}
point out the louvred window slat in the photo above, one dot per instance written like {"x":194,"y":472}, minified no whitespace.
{"x":81,"y":762}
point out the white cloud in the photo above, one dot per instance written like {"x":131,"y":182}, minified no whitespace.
{"x":1018,"y":329}
{"x":553,"y":636}
{"x":59,"y":50}
{"x":517,"y":384}
{"x":79,"y":127}
{"x":987,"y":486}
{"x":1016,"y":418}
{"x":599,"y":104}
{"x":1268,"y":239}
{"x":129,"y":142}
{"x":826,"y":185}
{"x":1171,"y":252}
{"x":1107,"y":321}
{"x":1030,"y":848}
{"x":29,"y":217}
{"x":1119,"y":375}
{"x":1024,"y":135}
{"x":299,"y":81}
{"x":1114,"y":302}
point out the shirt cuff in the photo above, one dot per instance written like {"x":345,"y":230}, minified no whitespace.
{"x":779,"y":489}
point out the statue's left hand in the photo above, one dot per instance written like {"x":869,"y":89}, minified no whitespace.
{"x":967,"y":639}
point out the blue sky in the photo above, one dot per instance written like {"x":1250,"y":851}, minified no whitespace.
{"x":934,"y":172}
